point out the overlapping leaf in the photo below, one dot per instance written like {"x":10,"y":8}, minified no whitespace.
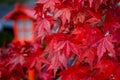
{"x":88,"y":56}
{"x":64,"y":14}
{"x":60,"y":52}
{"x":67,"y":46}
{"x":48,"y":4}
{"x":105,"y":44}
{"x":16,"y":61}
{"x":43,"y":28}
{"x":37,"y":62}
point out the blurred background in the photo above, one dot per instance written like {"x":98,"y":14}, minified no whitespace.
{"x":12,"y":23}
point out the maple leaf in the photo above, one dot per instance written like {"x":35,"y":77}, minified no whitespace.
{"x":15,"y":61}
{"x":117,"y":72}
{"x":79,"y":18}
{"x":96,"y":17}
{"x":49,"y":4}
{"x":59,"y":53}
{"x":70,"y":73}
{"x":93,"y":20}
{"x":65,"y":15}
{"x":86,"y":35}
{"x":90,"y":2}
{"x":116,"y":25}
{"x":105,"y":44}
{"x":43,"y":28}
{"x":96,"y":3}
{"x":79,"y":34}
{"x":106,"y":67}
{"x":46,"y":75}
{"x":37,"y":62}
{"x":60,"y":44}
{"x":88,"y":55}
{"x":50,"y":47}
{"x":76,"y":72}
{"x":67,"y":46}
{"x":57,"y":61}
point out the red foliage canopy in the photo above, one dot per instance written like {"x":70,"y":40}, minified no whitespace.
{"x":76,"y":40}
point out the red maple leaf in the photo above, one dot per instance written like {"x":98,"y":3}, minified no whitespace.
{"x":43,"y":28}
{"x":59,"y":52}
{"x":37,"y":62}
{"x":66,"y":47}
{"x":88,"y":55}
{"x":18,"y":59}
{"x":116,"y":74}
{"x":93,"y":20}
{"x":76,"y":72}
{"x":90,"y":3}
{"x":79,"y":33}
{"x":49,"y":4}
{"x":95,"y":3}
{"x":79,"y":18}
{"x":105,"y":44}
{"x":57,"y":61}
{"x":106,"y":68}
{"x":64,"y":14}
